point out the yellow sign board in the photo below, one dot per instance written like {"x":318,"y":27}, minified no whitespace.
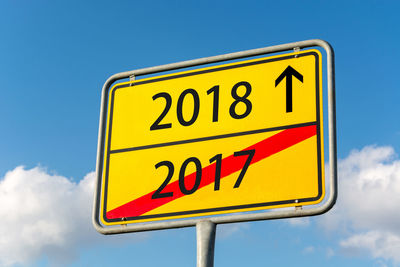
{"x":230,"y":138}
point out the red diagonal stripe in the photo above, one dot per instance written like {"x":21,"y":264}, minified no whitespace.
{"x":230,"y":164}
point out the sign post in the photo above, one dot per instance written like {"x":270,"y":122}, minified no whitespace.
{"x":217,"y":144}
{"x":205,"y":231}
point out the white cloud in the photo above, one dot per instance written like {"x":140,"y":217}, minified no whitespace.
{"x":330,"y":253}
{"x":299,"y":222}
{"x":384,"y":245}
{"x":45,"y":215}
{"x":308,"y":250}
{"x":227,"y":230}
{"x":367,"y":211}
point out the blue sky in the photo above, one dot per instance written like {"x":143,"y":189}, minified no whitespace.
{"x":55,"y":57}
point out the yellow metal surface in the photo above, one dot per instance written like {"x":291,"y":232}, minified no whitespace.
{"x":238,"y":105}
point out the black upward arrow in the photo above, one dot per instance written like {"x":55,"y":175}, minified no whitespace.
{"x":288,"y":73}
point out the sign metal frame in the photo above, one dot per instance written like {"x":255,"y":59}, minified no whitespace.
{"x":267,"y":215}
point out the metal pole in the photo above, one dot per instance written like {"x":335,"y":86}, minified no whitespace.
{"x":205,"y":231}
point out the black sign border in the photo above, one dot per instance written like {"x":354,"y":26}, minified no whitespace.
{"x":227,"y":208}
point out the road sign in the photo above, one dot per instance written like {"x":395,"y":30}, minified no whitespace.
{"x":230,"y":138}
